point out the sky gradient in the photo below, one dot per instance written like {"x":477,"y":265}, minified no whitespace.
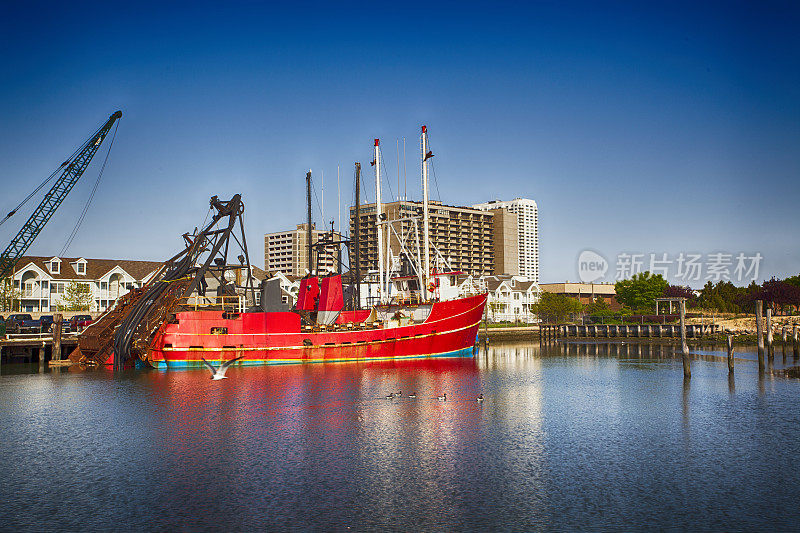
{"x":636,"y":128}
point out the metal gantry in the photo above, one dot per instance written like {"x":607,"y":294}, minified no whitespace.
{"x":73,"y":170}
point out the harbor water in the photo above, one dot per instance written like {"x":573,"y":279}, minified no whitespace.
{"x":573,"y":436}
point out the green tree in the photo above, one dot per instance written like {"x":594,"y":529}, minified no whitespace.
{"x":598,"y":306}
{"x":640,"y":291}
{"x":725,"y":297}
{"x":77,"y":297}
{"x":556,"y":307}
{"x":9,"y":296}
{"x":493,"y":308}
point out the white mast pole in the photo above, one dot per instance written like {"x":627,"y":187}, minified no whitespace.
{"x":397,"y":144}
{"x":378,"y":213}
{"x":388,"y":256}
{"x":339,"y":202}
{"x":426,"y":226}
{"x":405,"y":172}
{"x":322,"y":200}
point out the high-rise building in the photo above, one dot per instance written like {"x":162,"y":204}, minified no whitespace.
{"x":526,"y":228}
{"x":287,"y":252}
{"x":463,"y":235}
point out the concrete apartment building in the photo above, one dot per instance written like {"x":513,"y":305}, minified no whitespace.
{"x":515,"y":236}
{"x":462,"y":234}
{"x":287,"y":251}
{"x":42,"y":281}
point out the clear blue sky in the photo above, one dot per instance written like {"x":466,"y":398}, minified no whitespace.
{"x":636,"y":127}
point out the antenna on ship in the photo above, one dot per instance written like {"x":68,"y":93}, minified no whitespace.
{"x":338,"y":202}
{"x":322,"y":200}
{"x":397,"y":145}
{"x":405,"y":172}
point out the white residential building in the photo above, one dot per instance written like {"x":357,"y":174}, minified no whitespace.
{"x":510,"y":297}
{"x":527,"y":235}
{"x":42,"y":281}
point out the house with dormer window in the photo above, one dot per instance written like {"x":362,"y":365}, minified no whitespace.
{"x":42,"y":281}
{"x":510,"y":297}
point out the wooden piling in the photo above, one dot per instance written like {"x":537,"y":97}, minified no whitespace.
{"x":687,"y":370}
{"x":770,"y":337}
{"x":760,"y":335}
{"x":56,"y":337}
{"x":730,"y":354}
{"x":783,"y":344}
{"x":769,"y":326}
{"x":795,"y":347}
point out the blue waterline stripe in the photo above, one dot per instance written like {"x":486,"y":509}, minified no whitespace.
{"x":464,"y":352}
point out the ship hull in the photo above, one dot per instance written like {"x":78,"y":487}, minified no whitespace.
{"x":278,"y":338}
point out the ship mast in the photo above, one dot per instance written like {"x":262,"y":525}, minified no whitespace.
{"x":426,"y":226}
{"x":308,"y":202}
{"x":378,"y":216}
{"x":357,"y":240}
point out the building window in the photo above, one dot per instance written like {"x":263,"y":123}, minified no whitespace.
{"x":80,"y":268}
{"x":29,"y":287}
{"x":55,"y":267}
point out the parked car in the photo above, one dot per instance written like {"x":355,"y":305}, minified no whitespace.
{"x":47,"y":324}
{"x":79,"y":322}
{"x":22,"y":323}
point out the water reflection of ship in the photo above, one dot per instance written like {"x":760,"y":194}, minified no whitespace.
{"x":304,"y":401}
{"x":332,"y":421}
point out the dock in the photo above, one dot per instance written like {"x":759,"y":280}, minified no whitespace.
{"x":637,"y":331}
{"x":30,"y":348}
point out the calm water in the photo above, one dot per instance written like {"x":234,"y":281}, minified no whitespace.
{"x":570,"y":437}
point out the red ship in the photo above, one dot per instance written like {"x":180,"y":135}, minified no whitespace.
{"x":448,"y":330}
{"x":172,"y":322}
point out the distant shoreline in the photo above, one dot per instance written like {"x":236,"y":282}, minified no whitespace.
{"x":531,"y":333}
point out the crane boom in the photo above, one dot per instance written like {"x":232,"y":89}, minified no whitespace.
{"x":63,"y":185}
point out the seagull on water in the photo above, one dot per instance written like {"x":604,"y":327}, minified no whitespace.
{"x":219,"y":373}
{"x":480,"y":398}
{"x":442,"y":398}
{"x":412,"y":395}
